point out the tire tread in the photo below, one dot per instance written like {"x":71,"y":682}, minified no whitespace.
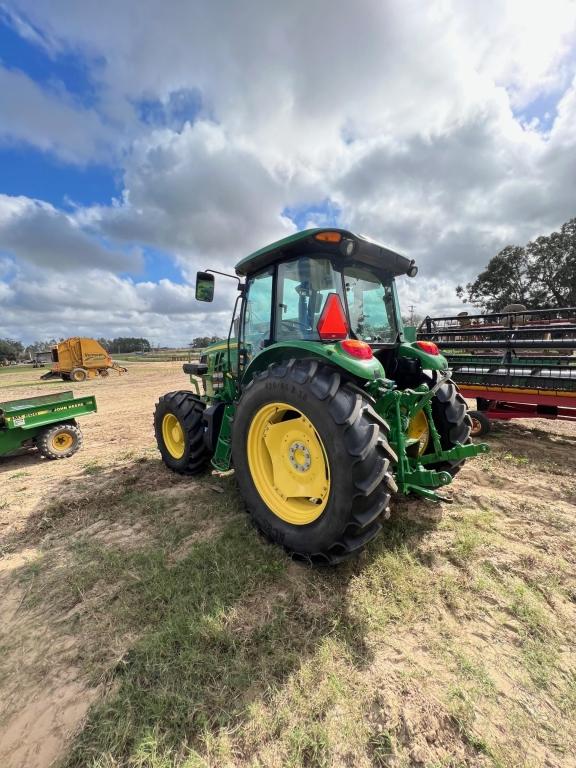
{"x":189,"y":410}
{"x":365,"y":442}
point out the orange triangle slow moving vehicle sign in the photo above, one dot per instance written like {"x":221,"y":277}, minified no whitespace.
{"x":332,"y":324}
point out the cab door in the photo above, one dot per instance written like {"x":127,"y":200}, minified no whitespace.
{"x":257,"y":314}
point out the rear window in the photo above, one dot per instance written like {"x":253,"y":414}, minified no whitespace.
{"x":370,"y":306}
{"x":303,"y":286}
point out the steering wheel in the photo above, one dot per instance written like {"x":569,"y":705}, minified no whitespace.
{"x":294,"y":323}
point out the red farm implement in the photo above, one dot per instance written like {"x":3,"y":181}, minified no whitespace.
{"x":516,"y":365}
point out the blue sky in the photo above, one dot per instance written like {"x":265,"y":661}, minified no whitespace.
{"x":29,"y":171}
{"x":34,"y":173}
{"x":72,"y":71}
{"x":133,"y":154}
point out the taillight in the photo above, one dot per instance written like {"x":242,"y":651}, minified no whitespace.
{"x":357,"y":348}
{"x":429,"y":347}
{"x":332,"y":324}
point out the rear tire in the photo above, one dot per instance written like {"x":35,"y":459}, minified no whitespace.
{"x":355,"y":447}
{"x":179,"y":429}
{"x":450,"y":414}
{"x":60,"y":441}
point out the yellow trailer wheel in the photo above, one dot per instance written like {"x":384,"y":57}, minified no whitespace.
{"x":79,"y":374}
{"x":59,"y":441}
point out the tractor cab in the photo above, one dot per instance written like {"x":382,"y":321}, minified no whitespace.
{"x":322,"y":286}
{"x":323,"y":292}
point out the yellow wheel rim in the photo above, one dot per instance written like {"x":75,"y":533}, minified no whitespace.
{"x":62,"y":441}
{"x":418,"y":429}
{"x":173,"y":436}
{"x":288,"y":463}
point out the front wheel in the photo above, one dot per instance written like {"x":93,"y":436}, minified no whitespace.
{"x":179,"y":429}
{"x":312,"y":461}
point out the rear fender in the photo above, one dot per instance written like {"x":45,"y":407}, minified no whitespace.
{"x":428,"y":362}
{"x":330,"y":354}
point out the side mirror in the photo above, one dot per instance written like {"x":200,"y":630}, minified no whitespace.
{"x":204,"y":286}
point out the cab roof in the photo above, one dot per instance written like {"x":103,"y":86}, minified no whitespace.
{"x":342,"y":244}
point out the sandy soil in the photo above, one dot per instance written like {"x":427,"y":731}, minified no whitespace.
{"x":44,"y":690}
{"x":43,"y":672}
{"x":122,"y":425}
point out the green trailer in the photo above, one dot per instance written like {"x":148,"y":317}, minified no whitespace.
{"x":47,"y":423}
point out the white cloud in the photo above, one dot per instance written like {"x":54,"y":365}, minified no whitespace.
{"x":526,"y":45}
{"x":403,"y":114}
{"x":50,"y":121}
{"x":44,"y":305}
{"x":198,"y":193}
{"x":37,"y":233}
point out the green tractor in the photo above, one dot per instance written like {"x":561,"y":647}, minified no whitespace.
{"x":317,"y":400}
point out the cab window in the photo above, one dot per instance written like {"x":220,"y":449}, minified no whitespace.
{"x":370,"y":306}
{"x":303,"y":286}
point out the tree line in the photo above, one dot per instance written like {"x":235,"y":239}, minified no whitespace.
{"x":12,"y":349}
{"x":204,"y":341}
{"x":124,"y":344}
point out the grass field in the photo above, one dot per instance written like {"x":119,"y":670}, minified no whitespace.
{"x":147,"y":625}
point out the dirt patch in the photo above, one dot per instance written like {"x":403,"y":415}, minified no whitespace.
{"x":34,"y":736}
{"x":46,"y":507}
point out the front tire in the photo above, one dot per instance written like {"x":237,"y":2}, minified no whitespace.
{"x":312,"y":461}
{"x":179,"y":429}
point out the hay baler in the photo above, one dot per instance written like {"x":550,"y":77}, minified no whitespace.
{"x":78,"y":359}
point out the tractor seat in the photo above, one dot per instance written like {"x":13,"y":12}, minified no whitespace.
{"x":195,"y":369}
